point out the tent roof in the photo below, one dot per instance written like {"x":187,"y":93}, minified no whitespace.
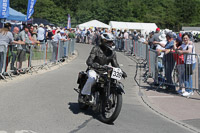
{"x":93,"y":23}
{"x":16,"y":16}
{"x":133,"y":25}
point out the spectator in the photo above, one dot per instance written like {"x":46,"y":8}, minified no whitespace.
{"x":126,"y":35}
{"x":49,"y":38}
{"x":13,"y":50}
{"x":71,"y":34}
{"x":21,"y":49}
{"x":84,"y":35}
{"x":91,"y":37}
{"x":168,"y":61}
{"x":40,"y":35}
{"x":156,"y":38}
{"x":179,"y":64}
{"x":54,"y":30}
{"x":150,"y":40}
{"x":163,"y":40}
{"x":63,"y":38}
{"x":97,"y":37}
{"x":34,"y":33}
{"x":56,"y":38}
{"x":78,"y":35}
{"x":135,"y":36}
{"x":119,"y":41}
{"x":32,"y":37}
{"x":142,"y":39}
{"x":6,"y":38}
{"x":190,"y":62}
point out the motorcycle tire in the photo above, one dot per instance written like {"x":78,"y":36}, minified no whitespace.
{"x":115,"y":114}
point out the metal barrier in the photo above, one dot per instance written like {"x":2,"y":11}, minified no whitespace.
{"x":178,"y":73}
{"x":153,"y":64}
{"x":34,"y":56}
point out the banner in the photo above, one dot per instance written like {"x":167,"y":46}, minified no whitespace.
{"x":69,"y":22}
{"x":4,"y":8}
{"x":30,"y":10}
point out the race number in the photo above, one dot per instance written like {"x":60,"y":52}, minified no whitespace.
{"x":116,"y":73}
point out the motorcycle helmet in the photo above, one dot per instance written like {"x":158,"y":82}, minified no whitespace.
{"x":107,"y":39}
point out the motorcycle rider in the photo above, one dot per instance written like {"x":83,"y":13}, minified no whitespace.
{"x":100,"y":56}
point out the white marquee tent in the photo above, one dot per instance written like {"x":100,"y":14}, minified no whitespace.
{"x":93,"y":23}
{"x":143,"y":27}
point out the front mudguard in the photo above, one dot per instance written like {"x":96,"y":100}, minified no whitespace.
{"x":119,"y":88}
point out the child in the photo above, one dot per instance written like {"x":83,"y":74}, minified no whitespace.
{"x":179,"y":58}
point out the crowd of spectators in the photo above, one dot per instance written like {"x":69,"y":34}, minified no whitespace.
{"x":174,"y":49}
{"x":16,"y":43}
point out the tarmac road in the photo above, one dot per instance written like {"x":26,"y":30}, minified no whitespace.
{"x":47,"y":103}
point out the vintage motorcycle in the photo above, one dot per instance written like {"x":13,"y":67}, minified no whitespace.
{"x":106,"y":93}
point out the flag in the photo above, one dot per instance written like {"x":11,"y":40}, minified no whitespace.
{"x":4,"y":8}
{"x":69,"y":22}
{"x":30,"y":10}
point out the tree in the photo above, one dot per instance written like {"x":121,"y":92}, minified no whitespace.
{"x":170,"y":14}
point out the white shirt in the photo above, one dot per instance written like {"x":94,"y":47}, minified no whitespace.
{"x":190,"y":58}
{"x":142,"y":40}
{"x":126,"y":35}
{"x":161,"y":48}
{"x":40,"y":33}
{"x":57,"y":37}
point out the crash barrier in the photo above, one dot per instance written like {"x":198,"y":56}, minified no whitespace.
{"x":33,"y":57}
{"x":166,"y":69}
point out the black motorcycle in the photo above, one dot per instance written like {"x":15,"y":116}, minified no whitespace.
{"x":106,"y":93}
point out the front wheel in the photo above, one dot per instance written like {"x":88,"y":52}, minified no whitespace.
{"x":111,"y":108}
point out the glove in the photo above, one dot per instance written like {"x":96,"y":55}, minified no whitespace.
{"x":124,"y":75}
{"x":95,"y":65}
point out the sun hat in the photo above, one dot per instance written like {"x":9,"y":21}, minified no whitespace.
{"x":49,"y":29}
{"x":162,"y":37}
{"x":41,"y":25}
{"x":35,"y":25}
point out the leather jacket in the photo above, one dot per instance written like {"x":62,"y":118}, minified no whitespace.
{"x":100,"y":56}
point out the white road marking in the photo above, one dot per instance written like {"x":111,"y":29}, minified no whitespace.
{"x":3,"y":132}
{"x":160,"y":96}
{"x":121,"y":65}
{"x":25,"y":131}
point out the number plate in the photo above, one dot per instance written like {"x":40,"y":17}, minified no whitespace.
{"x":116,"y":73}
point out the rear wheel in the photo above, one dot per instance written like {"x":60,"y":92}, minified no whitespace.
{"x":111,"y":108}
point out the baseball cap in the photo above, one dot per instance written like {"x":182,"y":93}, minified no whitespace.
{"x":157,"y":29}
{"x":179,"y":39}
{"x":169,"y":34}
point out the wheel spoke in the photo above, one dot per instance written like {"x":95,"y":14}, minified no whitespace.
{"x":110,"y":106}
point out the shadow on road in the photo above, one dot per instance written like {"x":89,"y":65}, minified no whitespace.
{"x":74,"y":107}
